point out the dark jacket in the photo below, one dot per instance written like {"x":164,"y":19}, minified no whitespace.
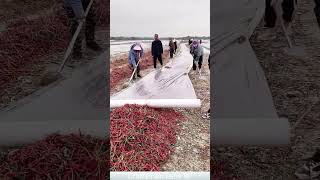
{"x":172,"y":46}
{"x":76,"y":6}
{"x":156,"y":48}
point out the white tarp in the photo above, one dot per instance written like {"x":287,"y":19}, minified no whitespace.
{"x":243,"y":111}
{"x":170,"y":82}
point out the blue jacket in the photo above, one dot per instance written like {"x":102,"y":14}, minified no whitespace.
{"x":133,"y":56}
{"x":76,"y":6}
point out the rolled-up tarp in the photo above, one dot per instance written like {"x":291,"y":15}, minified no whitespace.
{"x":159,"y":103}
{"x":168,"y":87}
{"x":250,"y":131}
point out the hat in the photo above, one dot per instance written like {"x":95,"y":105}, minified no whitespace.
{"x":137,"y":48}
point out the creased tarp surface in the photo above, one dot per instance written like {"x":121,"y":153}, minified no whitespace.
{"x":165,"y":83}
{"x":240,"y":88}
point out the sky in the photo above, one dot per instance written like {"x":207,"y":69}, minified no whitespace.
{"x":168,"y":18}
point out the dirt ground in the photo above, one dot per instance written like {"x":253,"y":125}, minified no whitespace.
{"x":294,"y":80}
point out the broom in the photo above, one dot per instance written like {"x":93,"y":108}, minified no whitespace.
{"x":134,"y":71}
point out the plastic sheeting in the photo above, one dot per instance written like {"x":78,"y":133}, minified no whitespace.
{"x":243,"y":113}
{"x":169,"y":82}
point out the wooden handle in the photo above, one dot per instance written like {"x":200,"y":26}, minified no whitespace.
{"x":74,"y":38}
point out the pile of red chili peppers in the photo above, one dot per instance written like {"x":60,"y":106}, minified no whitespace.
{"x":73,"y":156}
{"x":141,"y":137}
{"x":26,"y":41}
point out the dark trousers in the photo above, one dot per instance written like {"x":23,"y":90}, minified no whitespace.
{"x":138,"y":68}
{"x":194,"y":66}
{"x":270,"y":14}
{"x":137,"y":71}
{"x":171,"y":53}
{"x":316,"y":10}
{"x":90,"y":24}
{"x":159,"y":57}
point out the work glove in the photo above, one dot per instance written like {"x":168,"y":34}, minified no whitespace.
{"x":82,"y":18}
{"x":135,"y":66}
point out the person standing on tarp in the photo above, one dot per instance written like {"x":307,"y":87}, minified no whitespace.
{"x":316,"y":10}
{"x":76,"y":12}
{"x":271,"y":16}
{"x":171,"y":47}
{"x":197,"y":53}
{"x":156,"y":51}
{"x":135,"y":54}
{"x":175,"y":46}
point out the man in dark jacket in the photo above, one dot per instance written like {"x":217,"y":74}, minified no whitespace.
{"x":156,"y":51}
{"x":175,"y":45}
{"x":75,"y":11}
{"x":172,"y":47}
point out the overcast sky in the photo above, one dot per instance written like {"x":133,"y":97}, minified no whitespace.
{"x":166,"y":17}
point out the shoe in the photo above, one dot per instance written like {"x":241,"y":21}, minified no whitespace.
{"x":76,"y":55}
{"x":94,"y":46}
{"x":206,"y":116}
{"x":139,"y":76}
{"x":310,"y":170}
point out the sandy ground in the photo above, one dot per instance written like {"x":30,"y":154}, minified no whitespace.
{"x":294,"y":80}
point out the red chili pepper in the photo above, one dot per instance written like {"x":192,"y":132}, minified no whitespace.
{"x":146,"y":137}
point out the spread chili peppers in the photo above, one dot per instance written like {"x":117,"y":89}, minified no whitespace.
{"x":141,"y":137}
{"x":73,"y":156}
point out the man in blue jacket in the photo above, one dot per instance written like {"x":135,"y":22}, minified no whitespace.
{"x":75,"y":11}
{"x":135,"y":54}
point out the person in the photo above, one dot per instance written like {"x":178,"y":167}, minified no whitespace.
{"x":135,"y":54}
{"x":190,"y":41}
{"x":75,"y":10}
{"x":316,"y":10}
{"x":172,"y":47}
{"x":156,"y":51}
{"x":271,"y":16}
{"x":197,"y":53}
{"x":175,"y":46}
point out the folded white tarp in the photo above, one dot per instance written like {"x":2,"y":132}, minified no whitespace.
{"x":169,"y":86}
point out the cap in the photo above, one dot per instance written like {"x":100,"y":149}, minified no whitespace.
{"x":137,"y":48}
